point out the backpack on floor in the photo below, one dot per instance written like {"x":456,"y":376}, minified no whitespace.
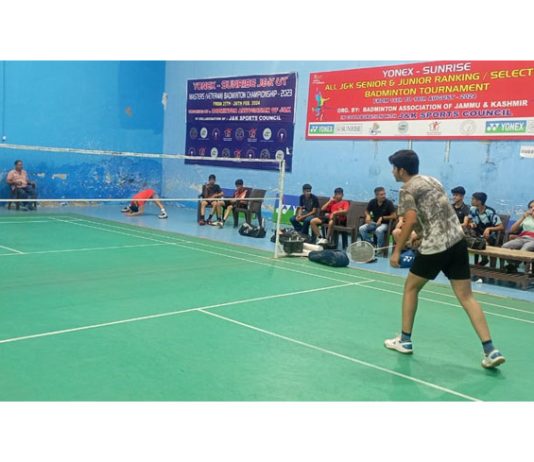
{"x":252,"y":231}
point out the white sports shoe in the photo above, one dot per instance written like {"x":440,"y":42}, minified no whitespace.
{"x":396,"y":344}
{"x":322,"y":241}
{"x":163,"y":215}
{"x":493,"y":359}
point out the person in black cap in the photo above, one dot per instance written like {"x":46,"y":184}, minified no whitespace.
{"x":306,"y":211}
{"x":459,"y":206}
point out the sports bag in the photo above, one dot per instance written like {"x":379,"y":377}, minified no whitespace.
{"x":252,"y":231}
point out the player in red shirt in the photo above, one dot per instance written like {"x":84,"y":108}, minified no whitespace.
{"x":334,"y":212}
{"x":235,"y":201}
{"x":137,"y":206}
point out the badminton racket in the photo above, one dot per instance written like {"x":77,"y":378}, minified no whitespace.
{"x":363,"y":251}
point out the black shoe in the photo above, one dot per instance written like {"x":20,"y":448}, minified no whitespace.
{"x":511,"y":269}
{"x":483,"y":261}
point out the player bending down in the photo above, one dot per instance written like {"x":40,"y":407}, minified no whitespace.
{"x":426,"y":209}
{"x":137,"y":206}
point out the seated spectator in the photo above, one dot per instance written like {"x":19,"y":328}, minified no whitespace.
{"x":211,"y":192}
{"x":23,"y":188}
{"x":378,"y":214}
{"x":459,"y":206}
{"x":334,"y":212}
{"x":525,"y":241}
{"x":413,"y":240}
{"x":235,"y":201}
{"x":483,"y":221}
{"x":306,"y":211}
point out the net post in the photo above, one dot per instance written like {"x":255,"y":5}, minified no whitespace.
{"x":281,"y":180}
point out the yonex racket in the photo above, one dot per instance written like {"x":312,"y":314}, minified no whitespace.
{"x":363,"y":251}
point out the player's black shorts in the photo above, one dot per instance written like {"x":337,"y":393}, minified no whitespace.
{"x":454,"y":263}
{"x":210,"y":202}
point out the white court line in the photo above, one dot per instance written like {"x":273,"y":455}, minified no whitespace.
{"x":290,"y":263}
{"x":270,"y":265}
{"x":239,"y":302}
{"x":12,"y":250}
{"x":325,"y":270}
{"x":24,"y":222}
{"x":342,"y":356}
{"x":448,"y":304}
{"x":333,"y":279}
{"x":173,"y":313}
{"x":84,"y":249}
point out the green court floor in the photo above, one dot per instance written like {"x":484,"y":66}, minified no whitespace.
{"x":97,"y":310}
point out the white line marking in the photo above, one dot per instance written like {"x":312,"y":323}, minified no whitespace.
{"x":448,"y":304}
{"x":84,"y":249}
{"x":2,"y":222}
{"x":239,"y":302}
{"x":342,"y":356}
{"x":173,"y":313}
{"x":12,"y":250}
{"x":333,"y":279}
{"x":326,"y":270}
{"x":272,"y":263}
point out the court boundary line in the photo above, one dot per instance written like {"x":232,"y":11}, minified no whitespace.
{"x":290,"y":263}
{"x":240,"y":302}
{"x":273,"y":264}
{"x":528,"y":321}
{"x":342,"y":356}
{"x":83,"y":249}
{"x":5,"y":222}
{"x":12,"y":250}
{"x":322,"y":269}
{"x":307,"y":273}
{"x":174,"y":313}
{"x":182,"y":245}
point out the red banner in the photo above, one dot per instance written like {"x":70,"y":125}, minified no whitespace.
{"x":435,"y":100}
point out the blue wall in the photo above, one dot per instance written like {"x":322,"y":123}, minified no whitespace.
{"x":84,"y":104}
{"x":357,"y":166}
{"x":117,"y":105}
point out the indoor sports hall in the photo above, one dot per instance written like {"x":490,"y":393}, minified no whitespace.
{"x":110,"y":296}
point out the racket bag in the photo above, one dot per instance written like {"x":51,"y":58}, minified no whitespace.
{"x":337,"y":258}
{"x":252,"y":231}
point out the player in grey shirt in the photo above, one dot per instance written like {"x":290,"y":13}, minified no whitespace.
{"x":425,"y":207}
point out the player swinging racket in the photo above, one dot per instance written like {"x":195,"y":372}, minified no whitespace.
{"x":425,"y":207}
{"x":137,"y":206}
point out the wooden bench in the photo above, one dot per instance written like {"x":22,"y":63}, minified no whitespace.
{"x":499,"y":257}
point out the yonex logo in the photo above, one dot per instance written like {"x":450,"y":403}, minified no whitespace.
{"x":506,"y":126}
{"x":321,"y":129}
